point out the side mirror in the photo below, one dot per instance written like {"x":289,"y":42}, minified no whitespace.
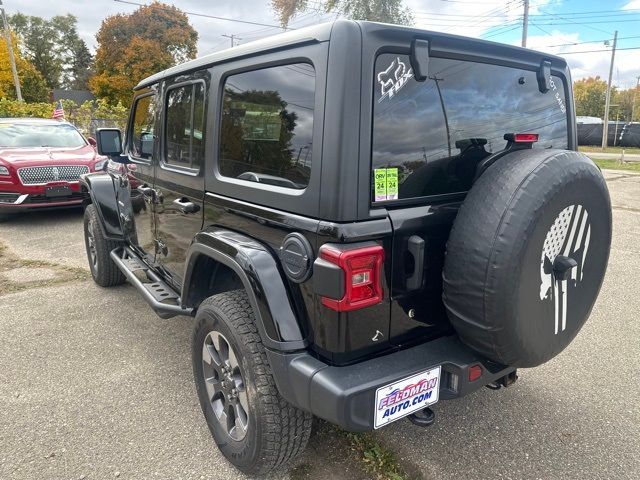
{"x":109,"y":142}
{"x":146,"y":147}
{"x":92,"y":141}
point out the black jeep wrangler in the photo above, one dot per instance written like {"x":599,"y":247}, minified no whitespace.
{"x":363,"y":219}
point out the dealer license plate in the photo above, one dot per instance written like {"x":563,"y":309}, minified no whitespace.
{"x":406,"y":396}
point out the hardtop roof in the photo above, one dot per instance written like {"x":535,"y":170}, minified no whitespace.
{"x":322,"y":33}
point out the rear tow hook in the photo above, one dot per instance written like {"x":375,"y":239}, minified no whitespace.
{"x":506,"y":381}
{"x":423,"y":418}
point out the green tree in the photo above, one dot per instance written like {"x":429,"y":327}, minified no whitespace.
{"x":131,"y":47}
{"x":590,"y":94}
{"x":386,"y":11}
{"x":624,"y":99}
{"x":76,"y":59}
{"x":54,"y":48}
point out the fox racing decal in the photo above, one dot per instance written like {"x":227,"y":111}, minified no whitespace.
{"x":393,"y":79}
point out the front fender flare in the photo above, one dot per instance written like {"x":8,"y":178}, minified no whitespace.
{"x":103,"y":192}
{"x":258,"y":271}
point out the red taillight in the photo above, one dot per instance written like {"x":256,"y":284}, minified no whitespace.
{"x":525,"y":137}
{"x":362,"y":269}
{"x":475,"y":372}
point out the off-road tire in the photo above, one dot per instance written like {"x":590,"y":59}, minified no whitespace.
{"x":276,"y":431}
{"x":104,"y":272}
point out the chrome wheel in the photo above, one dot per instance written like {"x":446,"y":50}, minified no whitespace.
{"x":225,"y":385}
{"x":91,"y":246}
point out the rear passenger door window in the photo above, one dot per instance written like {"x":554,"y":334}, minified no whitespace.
{"x":267,"y":126}
{"x":184,"y":126}
{"x":141,"y":142}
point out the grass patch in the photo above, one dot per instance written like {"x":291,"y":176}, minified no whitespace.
{"x":9,"y":261}
{"x":596,"y":149}
{"x":376,"y":460}
{"x":615,"y":165}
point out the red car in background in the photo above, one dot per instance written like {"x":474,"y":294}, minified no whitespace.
{"x":40,"y":164}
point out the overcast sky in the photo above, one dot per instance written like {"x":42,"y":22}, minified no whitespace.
{"x":553,"y":22}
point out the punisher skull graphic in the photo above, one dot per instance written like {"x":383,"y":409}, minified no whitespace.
{"x":566,"y":243}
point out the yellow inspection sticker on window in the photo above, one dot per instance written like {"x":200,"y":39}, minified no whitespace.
{"x":385,"y":184}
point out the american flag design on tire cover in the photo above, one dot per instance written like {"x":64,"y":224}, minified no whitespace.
{"x":569,"y":236}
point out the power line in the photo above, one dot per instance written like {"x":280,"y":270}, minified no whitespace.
{"x":577,"y":23}
{"x":590,"y":41}
{"x":595,"y":51}
{"x":612,"y":13}
{"x":195,"y":14}
{"x":232,"y":37}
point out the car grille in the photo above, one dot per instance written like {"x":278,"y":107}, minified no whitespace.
{"x":50,"y":173}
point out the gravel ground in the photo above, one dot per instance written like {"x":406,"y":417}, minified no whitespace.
{"x":94,"y":385}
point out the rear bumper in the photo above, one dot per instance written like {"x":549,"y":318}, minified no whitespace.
{"x":345,"y":396}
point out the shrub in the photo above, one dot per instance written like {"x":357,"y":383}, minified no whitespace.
{"x":85,"y":117}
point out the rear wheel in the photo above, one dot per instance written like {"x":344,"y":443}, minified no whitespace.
{"x":104,"y":272}
{"x":254,"y":427}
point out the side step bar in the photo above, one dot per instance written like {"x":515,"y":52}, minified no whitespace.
{"x":155,"y":292}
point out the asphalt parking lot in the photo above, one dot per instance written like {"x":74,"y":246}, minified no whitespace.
{"x":93,"y":385}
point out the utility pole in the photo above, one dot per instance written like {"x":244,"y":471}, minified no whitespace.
{"x":525,"y":23}
{"x":635,"y":93}
{"x":444,"y":111}
{"x":232,"y":37}
{"x":12,"y":60}
{"x":605,"y":127}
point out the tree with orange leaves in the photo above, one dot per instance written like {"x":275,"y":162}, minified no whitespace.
{"x":32,"y":83}
{"x":132,"y":47}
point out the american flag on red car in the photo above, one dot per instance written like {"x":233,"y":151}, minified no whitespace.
{"x":58,"y":112}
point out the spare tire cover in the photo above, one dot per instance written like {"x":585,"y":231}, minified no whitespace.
{"x":527,"y":255}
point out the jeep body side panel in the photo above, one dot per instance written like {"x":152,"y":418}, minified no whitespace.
{"x":103,"y":191}
{"x":258,"y":271}
{"x":339,"y":195}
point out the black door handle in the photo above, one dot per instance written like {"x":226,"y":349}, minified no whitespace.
{"x":186,"y":206}
{"x":415,"y":245}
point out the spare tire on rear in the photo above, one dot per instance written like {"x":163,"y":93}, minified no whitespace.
{"x":527,"y":255}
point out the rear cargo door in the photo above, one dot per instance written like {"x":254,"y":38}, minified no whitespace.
{"x":428,"y":138}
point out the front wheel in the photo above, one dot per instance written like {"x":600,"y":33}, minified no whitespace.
{"x":104,"y":272}
{"x":255,"y":428}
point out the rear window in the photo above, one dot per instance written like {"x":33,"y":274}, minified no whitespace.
{"x":429,"y":136}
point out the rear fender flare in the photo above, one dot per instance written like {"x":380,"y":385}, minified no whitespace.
{"x":258,"y":271}
{"x":103,"y":192}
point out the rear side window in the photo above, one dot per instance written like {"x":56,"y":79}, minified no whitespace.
{"x":428,"y":137}
{"x":142,"y":135}
{"x":267,"y":126}
{"x":184,"y":131}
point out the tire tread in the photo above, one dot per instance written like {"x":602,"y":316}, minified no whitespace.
{"x":287,"y":428}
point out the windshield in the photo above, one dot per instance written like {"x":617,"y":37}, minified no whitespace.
{"x":30,"y":135}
